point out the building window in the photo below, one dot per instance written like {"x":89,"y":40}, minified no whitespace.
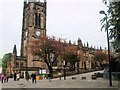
{"x":25,"y":23}
{"x":21,"y":65}
{"x":17,"y":64}
{"x":42,"y":23}
{"x":37,"y":20}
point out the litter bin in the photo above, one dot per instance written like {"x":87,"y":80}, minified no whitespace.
{"x":37,"y":77}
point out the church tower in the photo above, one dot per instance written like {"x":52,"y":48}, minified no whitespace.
{"x":34,"y":25}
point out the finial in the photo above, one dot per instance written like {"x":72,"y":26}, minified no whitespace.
{"x":87,"y":44}
{"x":69,"y":41}
{"x":84,"y":44}
{"x":14,"y":50}
{"x":79,"y":40}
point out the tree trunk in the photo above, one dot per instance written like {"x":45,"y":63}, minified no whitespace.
{"x":49,"y":67}
{"x":74,"y":66}
{"x":85,"y":66}
{"x":77,"y":67}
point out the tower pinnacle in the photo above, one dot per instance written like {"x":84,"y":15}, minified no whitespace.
{"x":15,"y":50}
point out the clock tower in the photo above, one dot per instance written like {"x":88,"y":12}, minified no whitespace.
{"x":34,"y":25}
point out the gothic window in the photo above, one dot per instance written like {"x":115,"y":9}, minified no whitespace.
{"x":17,"y":64}
{"x":42,"y":22}
{"x":22,"y":65}
{"x":26,"y":33}
{"x":37,"y":20}
{"x":25,"y":25}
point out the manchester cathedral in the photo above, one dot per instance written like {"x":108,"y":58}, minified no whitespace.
{"x":33,"y":26}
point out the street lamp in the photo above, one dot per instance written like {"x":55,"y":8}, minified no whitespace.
{"x":110,"y":78}
{"x":64,"y":64}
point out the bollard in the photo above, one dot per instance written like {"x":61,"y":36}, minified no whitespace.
{"x":83,"y":77}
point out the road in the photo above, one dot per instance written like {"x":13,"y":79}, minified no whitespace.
{"x":68,"y":83}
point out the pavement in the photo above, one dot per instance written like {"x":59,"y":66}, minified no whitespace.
{"x":68,"y":83}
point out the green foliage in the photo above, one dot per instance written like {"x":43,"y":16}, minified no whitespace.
{"x":0,"y":65}
{"x":5,"y":58}
{"x":113,"y":23}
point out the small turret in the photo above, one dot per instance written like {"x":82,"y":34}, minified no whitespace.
{"x":15,"y":50}
{"x":79,"y":42}
{"x":87,"y":45}
{"x":80,"y":45}
{"x":91,"y":47}
{"x":45,"y":7}
{"x":84,"y":45}
{"x":69,"y":41}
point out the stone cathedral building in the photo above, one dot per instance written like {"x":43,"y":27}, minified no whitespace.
{"x":34,"y":25}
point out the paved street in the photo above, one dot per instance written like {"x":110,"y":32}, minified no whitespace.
{"x":68,"y":83}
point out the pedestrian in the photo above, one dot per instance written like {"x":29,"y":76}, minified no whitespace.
{"x":27,"y":76}
{"x":59,"y":74}
{"x":15,"y":76}
{"x":33,"y":76}
{"x":49,"y":77}
{"x":5,"y":78}
{"x":2,"y":78}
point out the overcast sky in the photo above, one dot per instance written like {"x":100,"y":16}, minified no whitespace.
{"x":68,"y":19}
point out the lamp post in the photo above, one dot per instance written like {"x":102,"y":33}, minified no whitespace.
{"x":64,"y":64}
{"x":110,"y":78}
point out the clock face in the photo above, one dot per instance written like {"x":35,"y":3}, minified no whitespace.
{"x":37,"y":33}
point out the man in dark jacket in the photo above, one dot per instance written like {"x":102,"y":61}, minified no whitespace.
{"x":15,"y":76}
{"x":33,"y":76}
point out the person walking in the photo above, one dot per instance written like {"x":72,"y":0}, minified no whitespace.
{"x":27,"y":76}
{"x":7,"y":77}
{"x":49,"y":77}
{"x":33,"y":76}
{"x":2,"y":78}
{"x":15,"y":76}
{"x":59,"y":74}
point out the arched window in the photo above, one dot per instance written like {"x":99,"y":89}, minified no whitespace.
{"x":37,"y":20}
{"x":17,"y":64}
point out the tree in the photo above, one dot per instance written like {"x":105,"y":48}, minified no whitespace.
{"x":5,"y":58}
{"x":113,"y":23}
{"x":70,"y":55}
{"x":100,"y":56}
{"x":44,"y":47}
